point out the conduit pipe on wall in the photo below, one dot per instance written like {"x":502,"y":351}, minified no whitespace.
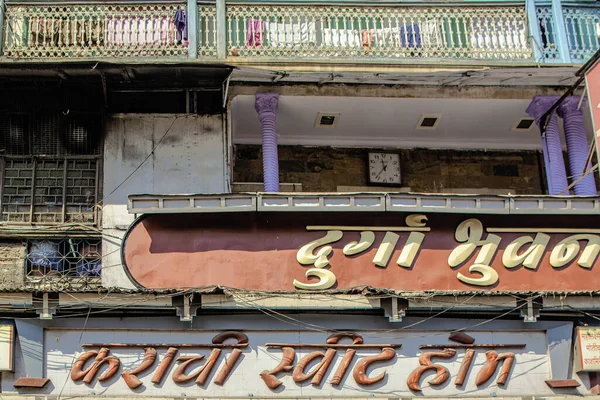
{"x":578,"y":147}
{"x":266,"y":107}
{"x":556,"y":175}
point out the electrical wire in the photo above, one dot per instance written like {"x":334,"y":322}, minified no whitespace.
{"x":587,"y":314}
{"x":322,"y":329}
{"x":75,"y":354}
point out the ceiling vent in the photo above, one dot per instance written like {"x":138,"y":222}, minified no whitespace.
{"x":524,"y":124}
{"x":429,"y":121}
{"x":327,"y":120}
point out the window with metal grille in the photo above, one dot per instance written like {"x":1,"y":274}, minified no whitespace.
{"x":67,"y":259}
{"x":49,"y":190}
{"x":49,"y":167}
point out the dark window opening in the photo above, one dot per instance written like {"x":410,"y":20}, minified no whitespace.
{"x":50,"y":158}
{"x":327,"y":120}
{"x":525,"y":123}
{"x":428,"y":122}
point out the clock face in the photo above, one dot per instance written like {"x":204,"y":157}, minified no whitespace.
{"x":384,"y":168}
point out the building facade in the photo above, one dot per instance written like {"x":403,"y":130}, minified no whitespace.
{"x":299,"y":199}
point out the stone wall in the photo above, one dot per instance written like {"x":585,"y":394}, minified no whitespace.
{"x":423,"y":170}
{"x":12,"y":270}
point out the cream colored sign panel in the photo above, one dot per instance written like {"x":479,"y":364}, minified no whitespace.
{"x":588,"y":346}
{"x":275,"y":364}
{"x":6,"y":347}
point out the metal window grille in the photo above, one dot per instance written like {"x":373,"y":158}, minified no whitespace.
{"x":49,"y":134}
{"x":49,"y":167}
{"x":68,"y":261}
{"x":13,"y":134}
{"x":80,"y":135}
{"x":44,"y":135}
{"x":50,"y":190}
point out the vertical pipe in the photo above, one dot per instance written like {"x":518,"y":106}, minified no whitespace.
{"x":32,"y":198}
{"x":2,"y":169}
{"x":192,"y":27}
{"x":547,"y":164}
{"x":578,"y":147}
{"x":64,"y":191}
{"x":556,"y":175}
{"x":534,"y":30}
{"x":561,"y":32}
{"x":266,"y":107}
{"x":221,"y":27}
{"x":2,"y":27}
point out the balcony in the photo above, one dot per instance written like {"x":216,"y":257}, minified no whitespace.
{"x":580,"y":25}
{"x":88,"y":31}
{"x":495,"y":34}
{"x":382,"y":33}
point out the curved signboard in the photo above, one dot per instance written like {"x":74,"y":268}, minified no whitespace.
{"x":316,"y":251}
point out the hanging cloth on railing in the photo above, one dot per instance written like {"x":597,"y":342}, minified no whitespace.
{"x":180,"y":22}
{"x":366,"y":38}
{"x":410,"y":36}
{"x":255,"y":32}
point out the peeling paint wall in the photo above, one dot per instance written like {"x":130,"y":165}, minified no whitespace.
{"x":189,"y":157}
{"x":12,"y":264}
{"x":399,"y":91}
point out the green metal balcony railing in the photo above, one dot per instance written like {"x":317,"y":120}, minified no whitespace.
{"x":394,"y":32}
{"x":274,"y":32}
{"x":581,"y":24}
{"x":88,"y":30}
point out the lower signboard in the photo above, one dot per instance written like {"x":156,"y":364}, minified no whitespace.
{"x":295,"y":363}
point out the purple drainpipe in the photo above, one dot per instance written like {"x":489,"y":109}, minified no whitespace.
{"x":556,"y":175}
{"x":578,"y":147}
{"x":266,"y":107}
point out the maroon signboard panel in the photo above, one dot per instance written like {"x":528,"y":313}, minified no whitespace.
{"x":315,"y":251}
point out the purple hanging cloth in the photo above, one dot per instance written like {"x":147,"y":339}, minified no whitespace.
{"x":180,"y":22}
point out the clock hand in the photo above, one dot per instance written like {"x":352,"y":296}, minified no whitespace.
{"x":377,"y":176}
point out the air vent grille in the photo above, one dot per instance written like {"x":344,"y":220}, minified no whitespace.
{"x":327,"y":120}
{"x":524,"y":124}
{"x":429,"y":121}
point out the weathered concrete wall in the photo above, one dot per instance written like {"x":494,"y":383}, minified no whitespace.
{"x":400,"y":91}
{"x":423,"y":170}
{"x":12,"y":269}
{"x":191,"y":158}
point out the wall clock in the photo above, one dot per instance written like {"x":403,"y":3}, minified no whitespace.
{"x":384,"y":169}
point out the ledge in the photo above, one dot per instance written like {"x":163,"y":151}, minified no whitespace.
{"x":59,"y":231}
{"x":361,"y":202}
{"x":31,"y":383}
{"x":562,"y":383}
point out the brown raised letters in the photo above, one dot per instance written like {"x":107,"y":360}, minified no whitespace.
{"x":493,"y":359}
{"x":285,"y":365}
{"x":360,"y":370}
{"x":442,"y":373}
{"x":130,"y":376}
{"x":88,"y":374}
